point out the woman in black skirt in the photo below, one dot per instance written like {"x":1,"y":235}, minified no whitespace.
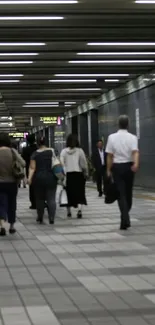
{"x":75,"y":166}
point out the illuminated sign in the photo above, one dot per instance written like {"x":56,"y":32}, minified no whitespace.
{"x":57,"y":120}
{"x":19,"y":135}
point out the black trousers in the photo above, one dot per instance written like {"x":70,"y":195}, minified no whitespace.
{"x":124,"y":179}
{"x":8,"y":201}
{"x":100,"y":178}
{"x":43,"y":194}
{"x":32,"y":195}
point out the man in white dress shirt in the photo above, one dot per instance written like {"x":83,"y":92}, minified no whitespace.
{"x":123,"y":162}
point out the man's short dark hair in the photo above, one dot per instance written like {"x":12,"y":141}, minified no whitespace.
{"x":31,"y":139}
{"x":5,"y":140}
{"x":123,"y":122}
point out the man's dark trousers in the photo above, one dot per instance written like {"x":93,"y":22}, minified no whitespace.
{"x":124,"y":178}
{"x":100,"y":178}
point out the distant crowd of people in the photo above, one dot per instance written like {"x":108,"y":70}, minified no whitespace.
{"x":119,"y":161}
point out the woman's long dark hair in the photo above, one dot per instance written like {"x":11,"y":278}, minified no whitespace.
{"x":72,"y":141}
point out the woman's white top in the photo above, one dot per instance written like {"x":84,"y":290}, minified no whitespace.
{"x":122,"y":144}
{"x":73,"y":160}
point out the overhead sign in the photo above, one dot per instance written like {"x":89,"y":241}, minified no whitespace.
{"x":6,"y":124}
{"x":56,"y":120}
{"x":18,"y":134}
{"x":5,"y":118}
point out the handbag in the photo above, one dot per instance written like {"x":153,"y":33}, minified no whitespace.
{"x":111,"y":193}
{"x":57,"y":167}
{"x":18,"y":170}
{"x":63,"y":200}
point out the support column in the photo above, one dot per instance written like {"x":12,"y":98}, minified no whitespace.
{"x":75,"y":125}
{"x":83,"y":132}
{"x":93,"y":133}
{"x":68,"y":126}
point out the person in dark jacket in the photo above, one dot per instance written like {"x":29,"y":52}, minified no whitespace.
{"x":45,"y":182}
{"x":99,"y":163}
{"x":27,"y":153}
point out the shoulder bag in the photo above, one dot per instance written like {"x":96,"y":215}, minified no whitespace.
{"x":17,"y":169}
{"x":57,"y":167}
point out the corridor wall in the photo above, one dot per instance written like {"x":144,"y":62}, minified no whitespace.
{"x":144,"y":100}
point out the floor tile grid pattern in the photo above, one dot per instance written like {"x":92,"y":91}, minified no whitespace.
{"x":79,"y":271}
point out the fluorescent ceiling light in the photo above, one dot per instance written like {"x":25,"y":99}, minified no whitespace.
{"x":9,"y":80}
{"x":116,"y":53}
{"x":70,"y":103}
{"x":110,"y":61}
{"x":145,"y":1}
{"x":18,"y":54}
{"x":111,"y":80}
{"x":21,"y":44}
{"x":16,"y":62}
{"x":93,"y":75}
{"x":30,"y":18}
{"x":76,"y":89}
{"x":73,"y":80}
{"x":31,"y":2}
{"x":41,"y":105}
{"x":122,"y":44}
{"x":11,"y":75}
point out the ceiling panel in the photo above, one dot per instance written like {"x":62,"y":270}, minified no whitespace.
{"x":36,"y":50}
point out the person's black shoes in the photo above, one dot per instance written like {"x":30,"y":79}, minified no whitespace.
{"x":69,"y":215}
{"x":12,"y":231}
{"x":32,"y":207}
{"x":51,"y":222}
{"x":123,"y":227}
{"x":3,"y":232}
{"x":100,"y":194}
{"x":79,"y":215}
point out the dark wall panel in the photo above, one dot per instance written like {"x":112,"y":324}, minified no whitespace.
{"x":83,"y":131}
{"x":144,"y":100}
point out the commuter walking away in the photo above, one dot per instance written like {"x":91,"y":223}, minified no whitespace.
{"x":123,"y":163}
{"x":23,"y":181}
{"x":44,"y":180}
{"x":8,"y":183}
{"x":99,"y":163}
{"x":27,"y":153}
{"x":75,"y":166}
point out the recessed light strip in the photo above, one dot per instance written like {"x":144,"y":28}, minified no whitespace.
{"x":73,"y":80}
{"x":37,"y":2}
{"x":145,"y":1}
{"x":9,"y":81}
{"x":11,"y":75}
{"x":21,"y":44}
{"x":110,"y":61}
{"x":18,"y":54}
{"x":70,"y":103}
{"x":75,"y":89}
{"x":92,"y":75}
{"x":42,"y":103}
{"x":16,"y":62}
{"x":30,"y":18}
{"x":116,"y":53}
{"x":122,"y":44}
{"x":111,"y":80}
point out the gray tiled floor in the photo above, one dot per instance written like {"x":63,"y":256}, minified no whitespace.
{"x":79,"y":272}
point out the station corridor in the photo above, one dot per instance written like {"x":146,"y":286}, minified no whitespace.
{"x":79,"y":272}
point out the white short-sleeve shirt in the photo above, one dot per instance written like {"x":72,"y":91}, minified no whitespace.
{"x":122,"y":144}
